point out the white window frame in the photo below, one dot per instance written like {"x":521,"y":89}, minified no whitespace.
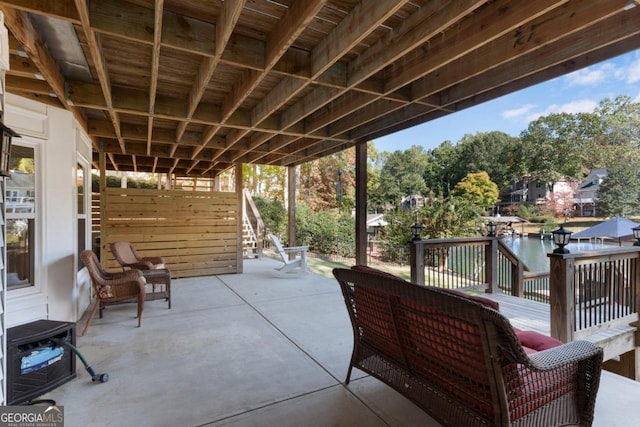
{"x":38,"y":286}
{"x":82,"y":162}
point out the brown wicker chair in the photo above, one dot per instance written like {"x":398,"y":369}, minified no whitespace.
{"x":461,"y":361}
{"x":113,"y":287}
{"x":128,"y":258}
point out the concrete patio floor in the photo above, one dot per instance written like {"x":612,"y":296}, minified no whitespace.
{"x":254,"y":349}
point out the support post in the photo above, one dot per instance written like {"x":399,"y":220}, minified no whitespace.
{"x":361,"y":203}
{"x":517,"y":280}
{"x":561,"y":296}
{"x":491,"y":266}
{"x":102,"y":186}
{"x":416,"y":262}
{"x":291,"y":195}
{"x":239,"y":200}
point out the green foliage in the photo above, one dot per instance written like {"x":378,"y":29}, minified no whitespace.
{"x":525,"y":212}
{"x":265,"y":180}
{"x":396,"y":235}
{"x":273,"y":213}
{"x":478,"y":189}
{"x":116,"y":182}
{"x":619,"y":193}
{"x":402,"y":175}
{"x":449,"y":217}
{"x":326,"y":232}
{"x":496,"y":153}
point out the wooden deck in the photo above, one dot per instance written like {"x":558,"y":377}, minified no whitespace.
{"x":616,"y":339}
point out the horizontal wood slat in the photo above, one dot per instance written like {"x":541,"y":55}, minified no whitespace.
{"x":196,"y":232}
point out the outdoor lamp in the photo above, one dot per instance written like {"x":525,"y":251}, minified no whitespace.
{"x":491,"y":228}
{"x":5,"y":148}
{"x":636,"y":235}
{"x":415,"y":230}
{"x":561,"y":239}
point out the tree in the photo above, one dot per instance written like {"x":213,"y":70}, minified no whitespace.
{"x":443,"y":218}
{"x":403,"y":174}
{"x":491,"y":152}
{"x":273,"y":214}
{"x":557,"y":146}
{"x":375,"y":161}
{"x":561,"y":202}
{"x":266,"y":180}
{"x":621,"y":129}
{"x":329,"y":182}
{"x":441,"y":174}
{"x":478,"y":189}
{"x":619,"y":193}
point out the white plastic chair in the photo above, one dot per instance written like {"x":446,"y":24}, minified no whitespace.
{"x":290,"y":264}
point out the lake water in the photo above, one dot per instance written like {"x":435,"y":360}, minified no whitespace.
{"x":533,"y":251}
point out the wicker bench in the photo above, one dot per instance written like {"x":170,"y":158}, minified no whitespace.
{"x":461,"y":361}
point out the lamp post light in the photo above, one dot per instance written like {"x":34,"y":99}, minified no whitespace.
{"x":339,"y":186}
{"x":491,"y":228}
{"x":636,"y":235}
{"x":561,"y":239}
{"x":415,"y":230}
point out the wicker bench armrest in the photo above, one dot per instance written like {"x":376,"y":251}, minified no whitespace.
{"x":556,"y":357}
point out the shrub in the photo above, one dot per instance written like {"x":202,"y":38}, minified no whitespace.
{"x":273,"y":214}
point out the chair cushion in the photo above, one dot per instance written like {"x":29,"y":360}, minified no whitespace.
{"x":533,"y":341}
{"x":484,"y":301}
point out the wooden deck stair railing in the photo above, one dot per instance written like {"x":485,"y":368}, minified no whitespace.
{"x":483,"y":262}
{"x":252,"y":228}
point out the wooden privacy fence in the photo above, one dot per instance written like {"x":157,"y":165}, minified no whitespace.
{"x":195,"y":231}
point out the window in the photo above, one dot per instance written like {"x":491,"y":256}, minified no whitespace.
{"x":83,"y":197}
{"x":20,"y":202}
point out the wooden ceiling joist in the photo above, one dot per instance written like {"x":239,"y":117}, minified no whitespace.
{"x":192,"y":87}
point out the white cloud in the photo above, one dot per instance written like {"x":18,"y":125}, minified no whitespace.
{"x":593,"y":75}
{"x":573,"y":107}
{"x":637,"y":98}
{"x":633,"y":73}
{"x":517,"y":112}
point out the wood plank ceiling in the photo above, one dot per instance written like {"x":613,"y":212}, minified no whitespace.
{"x":192,"y":87}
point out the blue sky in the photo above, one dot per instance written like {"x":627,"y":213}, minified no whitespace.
{"x":580,"y":91}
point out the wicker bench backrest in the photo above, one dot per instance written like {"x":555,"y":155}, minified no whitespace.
{"x":456,"y":358}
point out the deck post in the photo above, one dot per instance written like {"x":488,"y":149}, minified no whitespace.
{"x":361,"y":203}
{"x":491,"y":267}
{"x":291,"y":209}
{"x":416,"y":261}
{"x":561,"y":296}
{"x":517,"y":280}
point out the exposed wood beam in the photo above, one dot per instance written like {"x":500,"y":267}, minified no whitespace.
{"x":611,"y":36}
{"x":99,"y":64}
{"x":155,"y":65}
{"x":23,"y":30}
{"x":60,"y":9}
{"x":226,"y":23}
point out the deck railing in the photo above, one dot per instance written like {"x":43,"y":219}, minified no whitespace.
{"x":515,"y":278}
{"x":252,"y":215}
{"x":594,"y":292}
{"x":454,"y":263}
{"x":482,"y":263}
{"x":592,"y":295}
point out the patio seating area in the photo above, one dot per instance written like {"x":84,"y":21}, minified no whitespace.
{"x":252,"y":349}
